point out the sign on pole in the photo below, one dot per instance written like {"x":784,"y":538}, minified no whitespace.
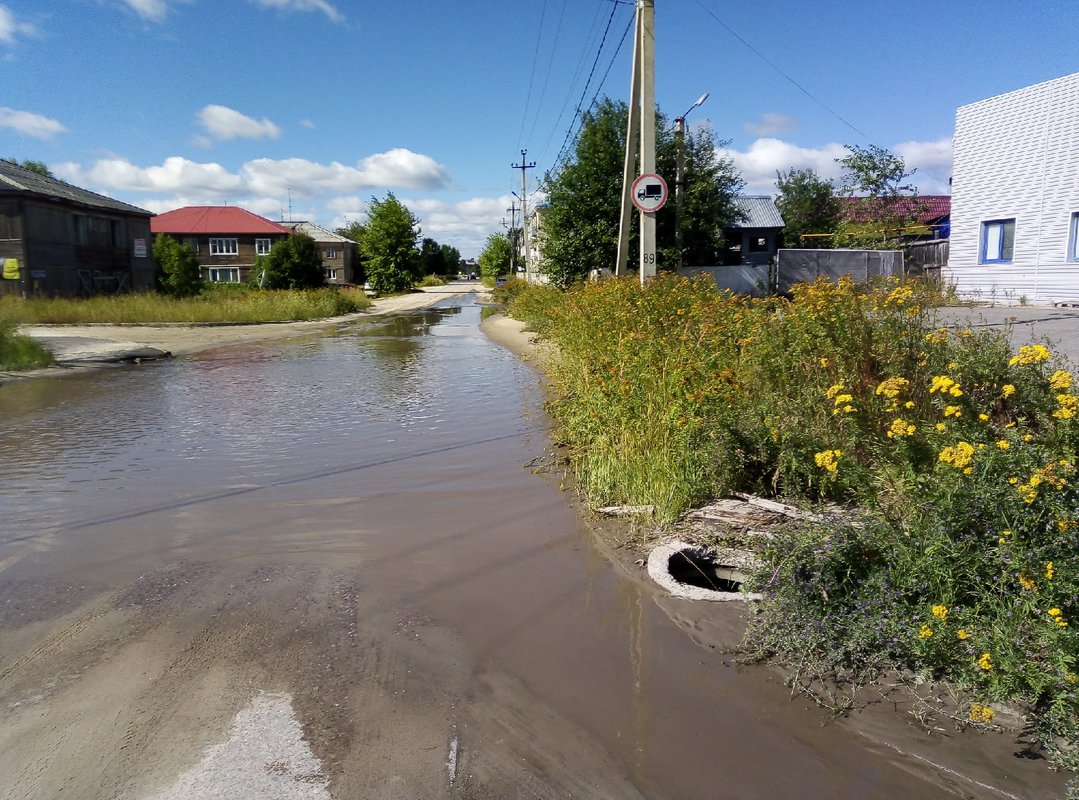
{"x":649,"y":192}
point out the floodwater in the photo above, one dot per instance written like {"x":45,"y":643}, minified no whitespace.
{"x":349,"y":522}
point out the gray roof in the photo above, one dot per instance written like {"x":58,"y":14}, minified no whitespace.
{"x":316,"y":232}
{"x":760,"y":211}
{"x":16,"y":180}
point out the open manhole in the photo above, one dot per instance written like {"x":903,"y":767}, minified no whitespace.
{"x":698,"y":574}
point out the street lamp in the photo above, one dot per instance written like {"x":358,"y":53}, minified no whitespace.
{"x":680,"y":177}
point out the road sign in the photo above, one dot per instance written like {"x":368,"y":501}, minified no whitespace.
{"x":649,"y":192}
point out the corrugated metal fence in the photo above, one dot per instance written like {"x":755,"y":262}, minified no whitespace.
{"x":805,"y":266}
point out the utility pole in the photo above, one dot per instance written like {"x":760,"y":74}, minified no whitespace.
{"x":525,"y":165}
{"x":513,"y":238}
{"x":680,"y":179}
{"x":643,"y":106}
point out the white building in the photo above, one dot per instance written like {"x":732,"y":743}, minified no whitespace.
{"x":1015,"y":196}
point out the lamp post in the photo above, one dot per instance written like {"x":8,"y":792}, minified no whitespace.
{"x":680,"y":177}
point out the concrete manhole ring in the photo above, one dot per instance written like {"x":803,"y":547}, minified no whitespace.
{"x":696,"y":573}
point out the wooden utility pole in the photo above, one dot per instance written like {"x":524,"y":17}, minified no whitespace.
{"x":642,"y":130}
{"x":513,"y":239}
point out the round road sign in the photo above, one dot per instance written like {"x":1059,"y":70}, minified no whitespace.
{"x":649,"y":192}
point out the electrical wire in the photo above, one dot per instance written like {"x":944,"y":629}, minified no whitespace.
{"x":532,"y":75}
{"x":547,"y":74}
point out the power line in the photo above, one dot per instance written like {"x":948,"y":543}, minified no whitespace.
{"x":778,"y":69}
{"x":547,"y":74}
{"x":532,"y":75}
{"x":587,"y":83}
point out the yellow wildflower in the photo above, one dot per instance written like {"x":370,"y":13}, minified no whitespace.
{"x":941,"y":612}
{"x":959,"y":456}
{"x":953,"y":411}
{"x":963,"y":633}
{"x":1007,"y":390}
{"x":1060,"y":380}
{"x":833,"y":390}
{"x":980,"y":713}
{"x":942,"y":384}
{"x":1058,"y":617}
{"x":983,"y":417}
{"x":900,"y":428}
{"x":909,"y":404}
{"x":941,"y":427}
{"x":925,"y":632}
{"x":1025,"y":582}
{"x":1049,"y":572}
{"x":1030,"y":354}
{"x":828,"y":460}
{"x":1003,"y":444}
{"x":985,"y":661}
{"x":892,"y":387}
{"x":1069,"y":406}
{"x":824,"y":362}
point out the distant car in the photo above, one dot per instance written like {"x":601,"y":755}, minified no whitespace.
{"x":369,"y":290}
{"x":472,"y":276}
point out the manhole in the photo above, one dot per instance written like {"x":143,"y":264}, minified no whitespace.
{"x":696,"y":574}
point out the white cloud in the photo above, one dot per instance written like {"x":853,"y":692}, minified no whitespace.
{"x":175,"y":175}
{"x":770,"y":125}
{"x":10,"y":28}
{"x":759,"y":163}
{"x":402,"y":167}
{"x":306,"y":123}
{"x":226,"y":123}
{"x":304,"y":5}
{"x":30,"y":124}
{"x":150,"y":10}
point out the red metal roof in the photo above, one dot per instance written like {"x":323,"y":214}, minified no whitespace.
{"x":213,"y":219}
{"x":925,"y":208}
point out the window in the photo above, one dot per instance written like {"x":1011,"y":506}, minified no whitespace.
{"x":331,"y":253}
{"x":224,"y":247}
{"x":80,"y":231}
{"x":117,"y":233}
{"x":225,"y":274}
{"x":1073,"y":241}
{"x":998,"y":241}
{"x":331,"y":274}
{"x":192,"y":244}
{"x":758,"y":244}
{"x":262,"y":247}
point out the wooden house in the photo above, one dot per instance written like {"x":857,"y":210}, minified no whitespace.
{"x":756,"y":238}
{"x":1015,"y":196}
{"x":226,"y":239}
{"x":59,"y":239}
{"x":339,"y":253}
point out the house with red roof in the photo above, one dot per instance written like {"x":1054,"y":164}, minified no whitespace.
{"x":918,"y":218}
{"x":226,"y":239}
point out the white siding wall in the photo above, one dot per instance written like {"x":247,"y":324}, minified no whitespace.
{"x":1017,"y":156}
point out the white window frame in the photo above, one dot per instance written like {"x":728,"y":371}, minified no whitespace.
{"x":224,"y":247}
{"x":994,"y":236}
{"x":263,"y":247}
{"x":224,"y":274}
{"x":331,"y":274}
{"x":1073,"y":238}
{"x":331,"y":253}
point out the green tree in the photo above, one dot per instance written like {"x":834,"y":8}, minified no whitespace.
{"x":809,"y":205}
{"x":432,"y":260}
{"x":293,"y":263}
{"x":354,"y":231}
{"x":879,"y":176}
{"x":451,"y":257}
{"x":580,"y":226}
{"x":495,"y":258}
{"x":388,"y":242}
{"x":176,"y":267}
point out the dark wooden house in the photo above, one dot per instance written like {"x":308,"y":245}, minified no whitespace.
{"x":59,"y":239}
{"x":339,"y":253}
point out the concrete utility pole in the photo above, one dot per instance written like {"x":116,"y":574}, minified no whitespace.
{"x":680,"y":178}
{"x":524,"y":165}
{"x":642,"y":105}
{"x":513,"y":239}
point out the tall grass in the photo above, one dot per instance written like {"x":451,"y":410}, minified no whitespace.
{"x":958,"y":557}
{"x":20,"y":352}
{"x":238,"y":305}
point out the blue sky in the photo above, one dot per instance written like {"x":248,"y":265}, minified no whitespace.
{"x":165,"y":103}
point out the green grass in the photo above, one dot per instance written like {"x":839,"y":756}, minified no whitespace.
{"x":956,"y":557}
{"x":219,"y":304}
{"x":20,"y":352}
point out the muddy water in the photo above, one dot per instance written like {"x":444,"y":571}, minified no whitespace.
{"x":347,"y":521}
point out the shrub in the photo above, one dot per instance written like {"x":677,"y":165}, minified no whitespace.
{"x":20,"y":352}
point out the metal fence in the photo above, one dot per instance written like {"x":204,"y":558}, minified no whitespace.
{"x":805,"y":266}
{"x":751,"y":279}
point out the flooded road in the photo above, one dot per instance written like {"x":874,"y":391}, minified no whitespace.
{"x":320,"y":568}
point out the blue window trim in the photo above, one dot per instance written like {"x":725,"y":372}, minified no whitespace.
{"x":985,"y":240}
{"x":1073,"y":238}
